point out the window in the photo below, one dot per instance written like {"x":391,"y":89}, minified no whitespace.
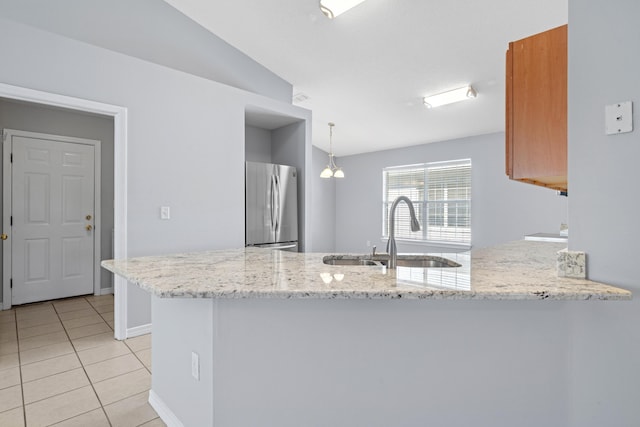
{"x":441,"y":196}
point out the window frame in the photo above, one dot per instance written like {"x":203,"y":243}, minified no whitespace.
{"x":423,"y":204}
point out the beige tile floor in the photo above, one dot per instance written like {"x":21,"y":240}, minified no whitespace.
{"x":59,"y":365}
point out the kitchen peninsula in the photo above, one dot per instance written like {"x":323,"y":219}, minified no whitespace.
{"x":256,"y":337}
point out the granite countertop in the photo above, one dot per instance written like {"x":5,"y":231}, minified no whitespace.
{"x":522,"y":270}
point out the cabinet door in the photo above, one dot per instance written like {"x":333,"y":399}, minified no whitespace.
{"x":537,"y":108}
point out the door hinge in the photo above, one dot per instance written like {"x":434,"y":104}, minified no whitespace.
{"x":11,"y":283}
{"x":11,"y":158}
{"x":11,"y":220}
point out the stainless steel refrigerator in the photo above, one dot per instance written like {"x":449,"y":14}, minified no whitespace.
{"x":271,"y":206}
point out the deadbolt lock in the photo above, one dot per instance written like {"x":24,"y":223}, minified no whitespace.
{"x":88,"y":217}
{"x":3,"y":236}
{"x":89,"y":227}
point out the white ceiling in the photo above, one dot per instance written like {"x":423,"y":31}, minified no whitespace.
{"x":368,"y":69}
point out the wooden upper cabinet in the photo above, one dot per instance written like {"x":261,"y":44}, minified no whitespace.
{"x":536,"y":109}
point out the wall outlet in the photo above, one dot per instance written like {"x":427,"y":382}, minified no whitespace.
{"x":165,"y":212}
{"x":195,"y":365}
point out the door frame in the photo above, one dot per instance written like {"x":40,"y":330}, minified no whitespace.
{"x":7,"y":202}
{"x":119,"y":115}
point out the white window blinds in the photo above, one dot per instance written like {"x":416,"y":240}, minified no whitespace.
{"x":441,"y":196}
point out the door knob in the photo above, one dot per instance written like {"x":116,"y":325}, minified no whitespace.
{"x":89,"y":227}
{"x":3,"y":236}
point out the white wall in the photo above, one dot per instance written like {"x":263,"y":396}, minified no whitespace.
{"x":323,"y":215}
{"x":151,"y":30}
{"x":363,"y":362}
{"x":257,"y":144}
{"x":604,"y":68}
{"x":180,"y":125}
{"x":57,"y":121}
{"x":502,"y":210}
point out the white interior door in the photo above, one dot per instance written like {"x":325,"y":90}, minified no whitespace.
{"x":52,"y":231}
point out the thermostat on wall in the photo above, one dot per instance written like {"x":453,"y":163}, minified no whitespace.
{"x":619,"y":117}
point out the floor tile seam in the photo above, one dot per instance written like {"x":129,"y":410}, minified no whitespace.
{"x":37,"y":307}
{"x":36,"y":316}
{"x":101,"y":303}
{"x":7,"y":410}
{"x":100,"y":361}
{"x":43,"y":345}
{"x":79,"y":415}
{"x":9,"y":354}
{"x":39,"y":335}
{"x":137,"y":425}
{"x":147,"y":422}
{"x":88,"y":348}
{"x":110,"y":308}
{"x":47,"y":358}
{"x":106,"y":312}
{"x":51,"y":375}
{"x":14,"y":408}
{"x":39,"y":324}
{"x":80,"y":307}
{"x":83,"y":317}
{"x":95,"y":393}
{"x":9,"y":386}
{"x":80,"y":317}
{"x":91,"y":335}
{"x":58,"y":394}
{"x":140,"y":349}
{"x":129,"y":397}
{"x":140,"y":360}
{"x":84,"y":326}
{"x":24,"y":408}
{"x":121,"y":375}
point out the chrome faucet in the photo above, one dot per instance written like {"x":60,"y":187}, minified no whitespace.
{"x":415,"y":226}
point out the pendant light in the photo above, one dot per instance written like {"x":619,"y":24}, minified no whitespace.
{"x":333,"y":8}
{"x":331,"y":170}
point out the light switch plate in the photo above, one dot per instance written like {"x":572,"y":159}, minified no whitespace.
{"x":619,"y":118}
{"x":165,"y":212}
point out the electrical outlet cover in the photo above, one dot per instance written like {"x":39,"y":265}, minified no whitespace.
{"x":619,"y":118}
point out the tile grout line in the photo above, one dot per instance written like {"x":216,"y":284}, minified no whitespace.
{"x":84,"y":370}
{"x":24,"y":406}
{"x":75,"y":351}
{"x":140,"y":360}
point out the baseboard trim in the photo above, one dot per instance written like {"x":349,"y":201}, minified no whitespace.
{"x":139,"y":330}
{"x":163,"y":411}
{"x":106,"y":291}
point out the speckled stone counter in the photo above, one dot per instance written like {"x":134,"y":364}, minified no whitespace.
{"x":521,"y":270}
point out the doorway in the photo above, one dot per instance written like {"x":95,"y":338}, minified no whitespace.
{"x":119,"y":116}
{"x":52,"y":209}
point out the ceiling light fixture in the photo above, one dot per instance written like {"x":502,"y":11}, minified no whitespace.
{"x":451,"y":96}
{"x":333,"y":8}
{"x":331,"y":170}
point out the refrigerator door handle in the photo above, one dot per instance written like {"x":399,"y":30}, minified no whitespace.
{"x":273,"y":202}
{"x":278,"y":200}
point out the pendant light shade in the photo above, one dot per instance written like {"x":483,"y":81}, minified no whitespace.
{"x":332,"y":170}
{"x":333,"y":8}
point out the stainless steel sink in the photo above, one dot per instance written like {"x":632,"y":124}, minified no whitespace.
{"x":427,"y":261}
{"x":348,"y":260}
{"x":412,"y":261}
